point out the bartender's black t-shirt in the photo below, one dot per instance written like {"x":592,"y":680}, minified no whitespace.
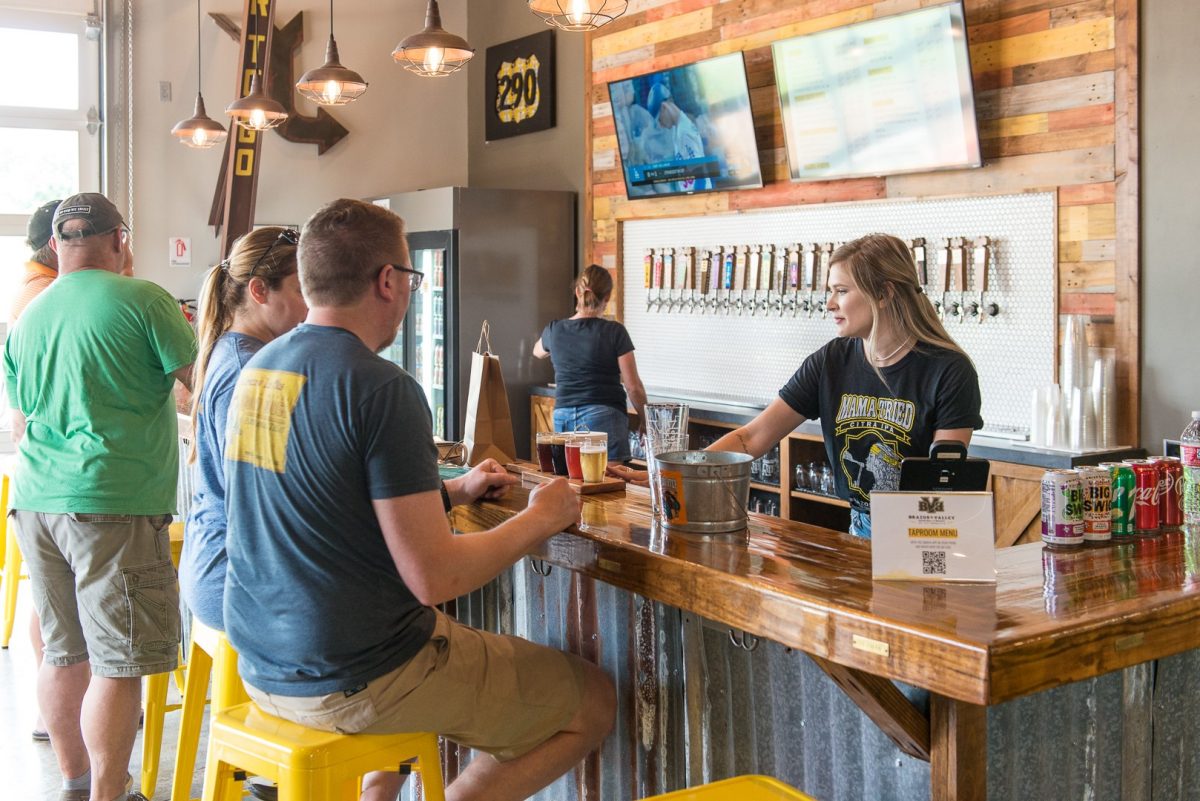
{"x":869,"y":426}
{"x":585,"y":352}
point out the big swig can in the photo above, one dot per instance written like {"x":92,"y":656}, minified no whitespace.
{"x":1062,"y":508}
{"x":1122,"y":498}
{"x":1097,"y":504}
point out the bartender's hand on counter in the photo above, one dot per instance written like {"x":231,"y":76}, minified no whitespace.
{"x":639,"y":477}
{"x":488,"y":479}
{"x":555,"y":503}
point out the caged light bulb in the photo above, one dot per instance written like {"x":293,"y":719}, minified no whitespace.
{"x":332,"y":92}
{"x":579,"y":12}
{"x":434,"y":56}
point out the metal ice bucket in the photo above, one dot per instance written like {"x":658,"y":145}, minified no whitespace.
{"x":705,"y":492}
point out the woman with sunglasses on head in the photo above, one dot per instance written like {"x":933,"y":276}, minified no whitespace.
{"x":247,"y":300}
{"x":891,"y":384}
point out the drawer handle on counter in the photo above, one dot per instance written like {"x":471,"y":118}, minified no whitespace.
{"x":539,"y":566}
{"x":747,"y":642}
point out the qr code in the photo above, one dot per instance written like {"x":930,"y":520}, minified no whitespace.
{"x":933,"y":563}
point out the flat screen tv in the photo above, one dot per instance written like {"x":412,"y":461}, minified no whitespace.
{"x":687,"y":129}
{"x":882,"y":97}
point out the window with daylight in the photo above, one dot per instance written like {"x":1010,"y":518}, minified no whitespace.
{"x":50,"y":109}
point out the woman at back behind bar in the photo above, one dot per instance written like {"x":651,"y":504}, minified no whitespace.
{"x":593,"y":359}
{"x":891,"y":384}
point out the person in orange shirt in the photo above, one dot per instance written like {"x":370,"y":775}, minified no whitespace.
{"x":40,"y":272}
{"x":42,"y":267}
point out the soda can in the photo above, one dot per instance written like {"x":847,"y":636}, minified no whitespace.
{"x":1097,"y":504}
{"x":1170,"y":482}
{"x":1062,"y":508}
{"x":1122,"y":498}
{"x":1147,"y":501}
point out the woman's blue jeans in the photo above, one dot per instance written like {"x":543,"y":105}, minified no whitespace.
{"x":597,"y":417}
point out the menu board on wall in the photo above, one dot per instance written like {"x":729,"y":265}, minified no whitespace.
{"x":881,"y":97}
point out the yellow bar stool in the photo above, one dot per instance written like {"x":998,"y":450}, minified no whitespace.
{"x":154,"y":699}
{"x":12,"y":563}
{"x":739,"y":788}
{"x":306,"y":764}
{"x":209,"y":655}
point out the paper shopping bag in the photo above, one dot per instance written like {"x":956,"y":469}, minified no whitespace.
{"x":488,"y":431}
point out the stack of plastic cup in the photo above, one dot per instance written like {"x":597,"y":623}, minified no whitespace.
{"x":666,"y":430}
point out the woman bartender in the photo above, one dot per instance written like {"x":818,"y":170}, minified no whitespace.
{"x":891,"y":383}
{"x":593,"y":358}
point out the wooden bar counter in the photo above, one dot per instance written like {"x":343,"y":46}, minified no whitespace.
{"x":1053,"y":617}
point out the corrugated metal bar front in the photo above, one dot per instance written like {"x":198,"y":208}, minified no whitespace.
{"x":694,"y":707}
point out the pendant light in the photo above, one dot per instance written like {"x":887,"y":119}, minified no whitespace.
{"x":331,"y":84}
{"x":578,"y":15}
{"x":199,"y":131}
{"x":433,"y":52}
{"x":256,"y":111}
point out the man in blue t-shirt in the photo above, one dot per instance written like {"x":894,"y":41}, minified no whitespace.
{"x":339,"y":545}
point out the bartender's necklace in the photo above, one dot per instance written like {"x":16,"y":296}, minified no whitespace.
{"x":903,"y":345}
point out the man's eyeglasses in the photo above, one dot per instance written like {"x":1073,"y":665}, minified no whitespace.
{"x":289,"y":236}
{"x":415,"y":277}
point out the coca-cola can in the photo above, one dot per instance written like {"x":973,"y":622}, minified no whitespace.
{"x":1097,"y":504}
{"x":1147,"y":497}
{"x":1170,"y":483}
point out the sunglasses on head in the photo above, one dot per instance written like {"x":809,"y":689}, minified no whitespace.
{"x":288,"y":236}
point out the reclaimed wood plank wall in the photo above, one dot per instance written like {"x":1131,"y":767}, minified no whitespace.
{"x":1056,"y":99}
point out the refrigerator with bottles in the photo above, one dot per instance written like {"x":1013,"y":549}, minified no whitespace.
{"x":505,"y":256}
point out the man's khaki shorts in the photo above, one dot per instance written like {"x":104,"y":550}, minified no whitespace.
{"x":105,"y":590}
{"x":499,"y":694}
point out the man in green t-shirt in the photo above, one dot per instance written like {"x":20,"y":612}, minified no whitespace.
{"x":90,"y":371}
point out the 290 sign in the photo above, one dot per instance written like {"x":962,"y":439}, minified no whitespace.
{"x":517,"y":89}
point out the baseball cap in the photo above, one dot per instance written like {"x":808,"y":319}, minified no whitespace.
{"x":93,"y":208}
{"x":38,"y":232}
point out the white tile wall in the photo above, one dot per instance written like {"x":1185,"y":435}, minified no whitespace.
{"x":746,"y":359}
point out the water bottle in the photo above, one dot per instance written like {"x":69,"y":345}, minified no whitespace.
{"x":1189,"y":452}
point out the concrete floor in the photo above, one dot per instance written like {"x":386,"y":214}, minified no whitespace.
{"x":28,"y":770}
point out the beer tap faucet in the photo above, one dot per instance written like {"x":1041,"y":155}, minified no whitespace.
{"x":983,"y":260}
{"x":714,"y":279}
{"x":727,"y":270}
{"x":943,"y":279}
{"x":669,"y":278}
{"x":700,"y":293}
{"x":958,"y":263}
{"x":753,"y":265}
{"x":658,"y":279}
{"x":811,"y":257}
{"x":823,"y":277}
{"x":917,"y":248}
{"x":739,"y":278}
{"x":648,"y":269}
{"x":778,"y":277}
{"x":687,"y":277}
{"x":791,"y":281}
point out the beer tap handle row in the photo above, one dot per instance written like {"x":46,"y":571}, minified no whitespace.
{"x":793,"y":280}
{"x":948,"y":284}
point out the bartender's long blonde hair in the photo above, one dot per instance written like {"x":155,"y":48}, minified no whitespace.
{"x":879,"y":263}
{"x":224,"y":292}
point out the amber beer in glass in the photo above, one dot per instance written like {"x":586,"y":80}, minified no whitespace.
{"x":574,"y":469}
{"x":593,"y":456}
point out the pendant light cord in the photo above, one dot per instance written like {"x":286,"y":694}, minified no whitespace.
{"x":330,"y":19}
{"x":199,"y":51}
